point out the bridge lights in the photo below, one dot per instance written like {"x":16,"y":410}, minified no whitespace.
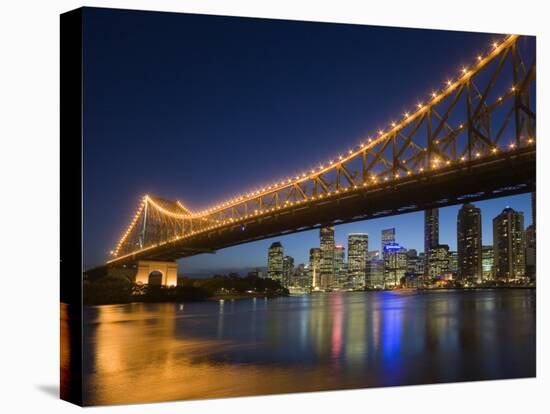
{"x":406,"y":114}
{"x":449,"y":82}
{"x":479,"y":58}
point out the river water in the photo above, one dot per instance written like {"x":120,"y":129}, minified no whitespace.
{"x":154,"y":352}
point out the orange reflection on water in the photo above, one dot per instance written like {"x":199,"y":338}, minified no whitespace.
{"x":157,"y":352}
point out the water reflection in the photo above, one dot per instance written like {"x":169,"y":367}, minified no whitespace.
{"x":154,"y":352}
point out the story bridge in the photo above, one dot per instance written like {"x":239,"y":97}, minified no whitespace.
{"x":472,"y":139}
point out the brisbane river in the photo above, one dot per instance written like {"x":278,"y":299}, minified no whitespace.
{"x":154,"y":352}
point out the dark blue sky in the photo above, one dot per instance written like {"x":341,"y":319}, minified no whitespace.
{"x":199,"y":108}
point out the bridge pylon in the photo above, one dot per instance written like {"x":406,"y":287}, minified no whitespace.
{"x":159,"y":273}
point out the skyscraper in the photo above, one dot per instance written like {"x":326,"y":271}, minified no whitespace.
{"x":487,"y":260}
{"x":288,"y":270}
{"x":375,"y":270}
{"x":395,"y":264}
{"x":275,"y":262}
{"x":314,"y":267}
{"x":358,"y":246}
{"x":388,"y":236}
{"x":431,"y":231}
{"x":530,"y":252}
{"x":508,"y":245}
{"x":438,"y":262}
{"x":468,"y":235}
{"x":453,"y":262}
{"x":327,"y":257}
{"x":340,"y":267}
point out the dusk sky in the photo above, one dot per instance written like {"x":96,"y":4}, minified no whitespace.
{"x":200,"y":108}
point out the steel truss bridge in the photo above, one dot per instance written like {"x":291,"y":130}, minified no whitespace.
{"x":472,"y":139}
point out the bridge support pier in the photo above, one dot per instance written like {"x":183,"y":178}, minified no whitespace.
{"x":157,"y":273}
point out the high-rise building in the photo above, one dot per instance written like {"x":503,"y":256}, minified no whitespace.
{"x":375,"y":270}
{"x":358,"y":246}
{"x":453,"y":262}
{"x":431,"y":231}
{"x":288,"y":270}
{"x":487,"y":260}
{"x":395,"y":264}
{"x":508,"y":245}
{"x":314,"y":267}
{"x":388,"y":236}
{"x":411,"y":276}
{"x":340,"y":267}
{"x":300,"y":277}
{"x":530,"y":253}
{"x":275,"y":262}
{"x":421,"y":264}
{"x":327,"y":257}
{"x":438,"y":262}
{"x":468,"y":235}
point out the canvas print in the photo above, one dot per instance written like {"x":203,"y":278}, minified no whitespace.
{"x":274,"y":206}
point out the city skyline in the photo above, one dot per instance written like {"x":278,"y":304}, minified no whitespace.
{"x":409,"y":229}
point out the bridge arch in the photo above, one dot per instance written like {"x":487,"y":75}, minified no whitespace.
{"x":157,"y":273}
{"x":155,"y":278}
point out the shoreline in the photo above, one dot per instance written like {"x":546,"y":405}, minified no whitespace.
{"x":232,"y":297}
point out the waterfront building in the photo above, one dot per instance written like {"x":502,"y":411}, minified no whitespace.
{"x":358,"y":246}
{"x":375,"y":270}
{"x":421,"y":264}
{"x":453,"y":262}
{"x":468,"y":234}
{"x":487,"y":263}
{"x":438,"y":262}
{"x":288,"y":270}
{"x":395,"y":264}
{"x":508,"y":245}
{"x":327,"y":257}
{"x":300,"y":277}
{"x":340,"y":268}
{"x":431,"y":231}
{"x":530,"y":253}
{"x":314,"y":267}
{"x":275,"y":261}
{"x":388,"y":236}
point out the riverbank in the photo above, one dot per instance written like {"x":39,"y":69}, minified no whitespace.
{"x":119,"y":290}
